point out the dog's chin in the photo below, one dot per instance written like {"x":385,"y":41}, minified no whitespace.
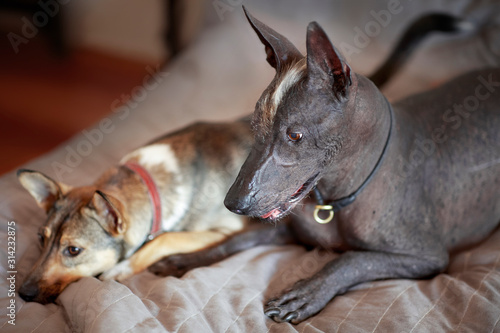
{"x":282,"y":210}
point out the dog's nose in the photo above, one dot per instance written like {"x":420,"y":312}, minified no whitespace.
{"x":29,"y":292}
{"x":241,"y":196}
{"x":237,"y":206}
{"x":238,"y":211}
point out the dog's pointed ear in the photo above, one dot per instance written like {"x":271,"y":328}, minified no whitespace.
{"x":107,"y":209}
{"x":42,"y":188}
{"x":325,"y":62}
{"x":279,"y":50}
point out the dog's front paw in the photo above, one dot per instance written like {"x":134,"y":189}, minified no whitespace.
{"x":119,"y":272}
{"x":304,"y":299}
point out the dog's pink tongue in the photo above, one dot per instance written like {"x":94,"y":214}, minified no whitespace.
{"x":274,"y":213}
{"x":296,"y":194}
{"x":300,"y":188}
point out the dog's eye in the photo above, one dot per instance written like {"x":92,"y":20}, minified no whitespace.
{"x":295,"y":136}
{"x":72,"y":251}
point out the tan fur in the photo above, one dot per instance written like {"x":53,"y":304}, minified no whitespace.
{"x":58,"y":274}
{"x":164,"y":245}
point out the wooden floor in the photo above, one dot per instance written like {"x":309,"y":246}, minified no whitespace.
{"x":44,"y":100}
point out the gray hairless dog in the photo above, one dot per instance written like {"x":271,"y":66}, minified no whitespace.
{"x":401,"y":186}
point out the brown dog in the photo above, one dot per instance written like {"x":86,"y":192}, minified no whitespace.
{"x":171,"y":189}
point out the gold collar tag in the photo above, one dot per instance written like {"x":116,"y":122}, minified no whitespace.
{"x":320,"y":208}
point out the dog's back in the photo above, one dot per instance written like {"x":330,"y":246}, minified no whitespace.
{"x":455,"y":153}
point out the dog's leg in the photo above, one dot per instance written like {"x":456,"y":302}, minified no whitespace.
{"x":256,"y":234}
{"x":307,"y":297}
{"x":163,"y":245}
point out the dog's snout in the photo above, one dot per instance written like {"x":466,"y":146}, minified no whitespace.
{"x":238,"y":201}
{"x":29,"y":292}
{"x":238,"y":211}
{"x":242,"y":197}
{"x":236,"y":206}
{"x":238,"y":198}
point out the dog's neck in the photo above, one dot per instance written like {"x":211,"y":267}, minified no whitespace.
{"x":370,"y":117}
{"x":125,"y":185}
{"x":154,"y":195}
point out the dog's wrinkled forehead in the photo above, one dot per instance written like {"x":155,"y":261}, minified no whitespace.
{"x":273,"y":96}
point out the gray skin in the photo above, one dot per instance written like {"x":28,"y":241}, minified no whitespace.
{"x":437,"y":189}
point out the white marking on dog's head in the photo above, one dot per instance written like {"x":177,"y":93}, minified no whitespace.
{"x":291,"y":77}
{"x":270,"y":102}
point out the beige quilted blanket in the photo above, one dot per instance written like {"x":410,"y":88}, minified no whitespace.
{"x":219,"y":78}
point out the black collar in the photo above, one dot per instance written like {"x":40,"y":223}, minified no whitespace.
{"x":338,"y":204}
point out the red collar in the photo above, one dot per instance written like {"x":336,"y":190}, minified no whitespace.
{"x":154,"y":195}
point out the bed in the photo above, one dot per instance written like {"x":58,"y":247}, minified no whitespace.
{"x":220,"y":77}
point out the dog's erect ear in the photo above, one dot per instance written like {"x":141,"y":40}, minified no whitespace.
{"x":325,"y":62}
{"x":45,"y":190}
{"x":107,"y":209}
{"x":279,"y":50}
